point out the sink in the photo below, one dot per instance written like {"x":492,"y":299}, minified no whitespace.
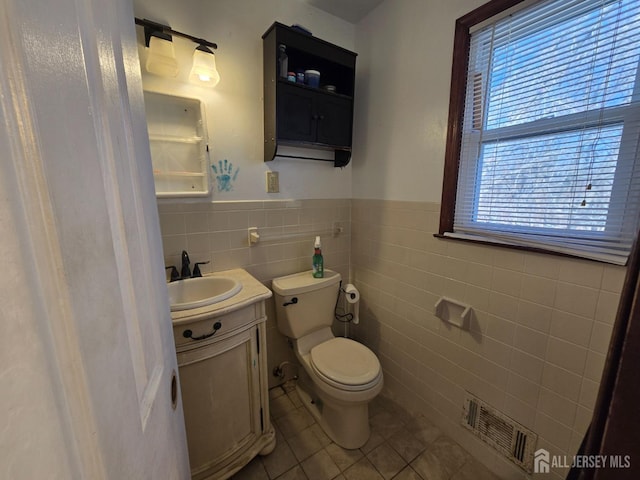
{"x":201,"y":291}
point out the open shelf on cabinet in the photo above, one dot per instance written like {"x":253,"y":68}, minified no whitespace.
{"x":178,"y":142}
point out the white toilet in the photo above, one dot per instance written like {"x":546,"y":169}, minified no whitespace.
{"x":344,"y":375}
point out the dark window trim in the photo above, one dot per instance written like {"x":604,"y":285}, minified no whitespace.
{"x":461,"y":44}
{"x":520,"y":248}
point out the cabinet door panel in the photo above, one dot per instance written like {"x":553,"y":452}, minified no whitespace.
{"x":220,"y":391}
{"x":295,"y":114}
{"x":334,"y":120}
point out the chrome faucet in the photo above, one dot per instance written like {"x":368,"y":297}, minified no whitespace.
{"x":185,"y":272}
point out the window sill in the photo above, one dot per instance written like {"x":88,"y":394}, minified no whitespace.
{"x":511,"y":246}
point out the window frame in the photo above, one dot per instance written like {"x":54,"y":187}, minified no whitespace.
{"x":457,"y":97}
{"x":457,"y":100}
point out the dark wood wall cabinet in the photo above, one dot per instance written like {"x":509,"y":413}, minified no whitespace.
{"x":297,"y":114}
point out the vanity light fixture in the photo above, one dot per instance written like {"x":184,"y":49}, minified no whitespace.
{"x":162,"y":61}
{"x":161,"y":57}
{"x":204,"y":70}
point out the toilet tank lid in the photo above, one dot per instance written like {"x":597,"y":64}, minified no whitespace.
{"x":303,"y":282}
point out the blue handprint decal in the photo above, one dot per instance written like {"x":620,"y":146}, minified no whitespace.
{"x":225,"y":175}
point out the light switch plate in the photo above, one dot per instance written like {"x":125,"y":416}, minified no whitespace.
{"x":273,"y":182}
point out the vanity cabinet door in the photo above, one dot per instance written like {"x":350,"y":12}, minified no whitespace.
{"x":306,"y":115}
{"x":296,"y":114}
{"x":221,"y":393}
{"x":334,"y":120}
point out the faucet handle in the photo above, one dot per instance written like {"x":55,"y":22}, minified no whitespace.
{"x":196,"y":269}
{"x":174,"y":273}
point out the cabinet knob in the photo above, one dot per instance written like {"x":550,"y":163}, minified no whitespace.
{"x":321,"y":117}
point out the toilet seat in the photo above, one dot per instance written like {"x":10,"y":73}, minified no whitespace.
{"x":345,"y":364}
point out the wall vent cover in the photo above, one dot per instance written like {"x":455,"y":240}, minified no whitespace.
{"x":504,"y":434}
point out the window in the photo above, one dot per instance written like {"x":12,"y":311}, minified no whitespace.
{"x":544,"y":127}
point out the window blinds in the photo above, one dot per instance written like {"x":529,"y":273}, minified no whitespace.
{"x":549,"y":154}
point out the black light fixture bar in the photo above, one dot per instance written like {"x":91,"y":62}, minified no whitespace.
{"x":151,"y":28}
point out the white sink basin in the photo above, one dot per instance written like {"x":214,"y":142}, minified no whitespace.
{"x":201,"y":291}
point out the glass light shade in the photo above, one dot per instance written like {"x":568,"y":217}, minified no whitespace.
{"x":161,"y":58}
{"x":204,"y":71}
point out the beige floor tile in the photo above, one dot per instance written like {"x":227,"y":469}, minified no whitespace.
{"x":399,"y":448}
{"x":305,"y":443}
{"x":376,"y":406}
{"x":474,"y":470}
{"x":385,"y":424}
{"x":320,"y":467}
{"x":386,"y":460}
{"x":296,"y":473}
{"x":451,"y":455}
{"x":280,"y":406}
{"x":295,"y":398}
{"x":276,"y":392}
{"x":321,"y":435}
{"x":375,"y":439}
{"x":406,"y":444}
{"x":342,"y":457}
{"x":408,"y":473}
{"x":253,"y":471}
{"x":289,"y":386}
{"x":396,"y":410}
{"x":441,"y":460}
{"x":424,"y":430}
{"x":280,"y":460}
{"x":294,"y":422}
{"x":429,"y":466}
{"x":362,"y":470}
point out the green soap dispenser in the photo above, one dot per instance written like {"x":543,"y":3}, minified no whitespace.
{"x":318,"y":262}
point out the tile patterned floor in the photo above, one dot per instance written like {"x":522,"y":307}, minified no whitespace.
{"x":401,"y":447}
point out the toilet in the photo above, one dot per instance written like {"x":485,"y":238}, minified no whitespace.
{"x":340,"y":376}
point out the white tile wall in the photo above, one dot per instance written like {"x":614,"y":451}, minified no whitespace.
{"x":534,"y":350}
{"x":217,"y":232}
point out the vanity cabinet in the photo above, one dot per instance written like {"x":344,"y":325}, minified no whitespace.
{"x":223,"y":379}
{"x":297,"y":115}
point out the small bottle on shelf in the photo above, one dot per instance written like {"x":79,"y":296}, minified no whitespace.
{"x":283,"y":61}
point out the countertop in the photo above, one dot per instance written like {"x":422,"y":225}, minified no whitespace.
{"x":252,"y":291}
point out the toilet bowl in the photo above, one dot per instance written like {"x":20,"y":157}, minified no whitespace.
{"x":341,"y":376}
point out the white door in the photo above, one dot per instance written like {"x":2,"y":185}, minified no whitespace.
{"x":86,"y":349}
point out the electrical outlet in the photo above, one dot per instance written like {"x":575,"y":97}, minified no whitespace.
{"x":273,"y":182}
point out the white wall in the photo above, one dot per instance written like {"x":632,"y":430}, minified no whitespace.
{"x":542,"y":323}
{"x":402,"y":98}
{"x":234,"y":108}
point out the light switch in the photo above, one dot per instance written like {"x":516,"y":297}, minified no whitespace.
{"x":273,"y":183}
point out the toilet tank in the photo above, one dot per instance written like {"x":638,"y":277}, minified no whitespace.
{"x":305,"y":304}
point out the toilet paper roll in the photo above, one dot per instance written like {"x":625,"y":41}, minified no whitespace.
{"x":353,"y":297}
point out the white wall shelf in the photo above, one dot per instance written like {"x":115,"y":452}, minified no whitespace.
{"x":179,"y":174}
{"x":178,"y":142}
{"x":169,"y":138}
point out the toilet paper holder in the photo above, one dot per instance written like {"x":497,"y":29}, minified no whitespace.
{"x":352,"y":296}
{"x":454,"y":312}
